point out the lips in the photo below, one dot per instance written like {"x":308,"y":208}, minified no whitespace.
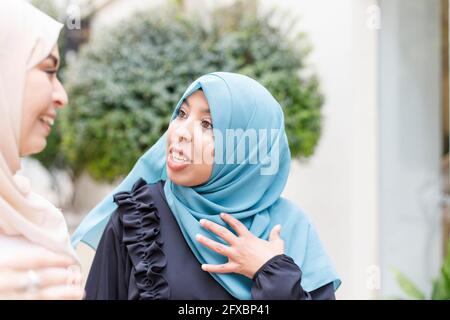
{"x":178,"y":154}
{"x":48,"y":119}
{"x":176,"y":159}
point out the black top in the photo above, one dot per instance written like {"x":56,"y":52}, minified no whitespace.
{"x":143,"y":255}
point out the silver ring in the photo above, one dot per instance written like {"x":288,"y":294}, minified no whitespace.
{"x":31,"y":282}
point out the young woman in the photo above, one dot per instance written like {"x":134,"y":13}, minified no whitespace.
{"x":200,"y":215}
{"x":33,"y":233}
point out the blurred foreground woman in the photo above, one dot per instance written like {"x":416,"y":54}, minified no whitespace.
{"x":36,"y":258}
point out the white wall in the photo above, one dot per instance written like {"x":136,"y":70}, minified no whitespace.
{"x":338,"y":186}
{"x":410,"y":135}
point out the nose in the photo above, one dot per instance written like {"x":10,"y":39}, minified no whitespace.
{"x":60,"y":98}
{"x":184,"y":131}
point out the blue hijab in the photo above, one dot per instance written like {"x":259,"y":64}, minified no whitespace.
{"x":249,"y":190}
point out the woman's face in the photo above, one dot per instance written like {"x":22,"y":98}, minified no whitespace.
{"x":190,"y":143}
{"x":43,"y":95}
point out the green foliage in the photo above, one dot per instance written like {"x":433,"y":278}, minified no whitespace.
{"x":408,"y":287}
{"x":441,"y":286}
{"x":126,"y":81}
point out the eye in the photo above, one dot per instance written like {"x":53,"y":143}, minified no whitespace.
{"x":181,"y":114}
{"x":207,"y":124}
{"x":51,"y":72}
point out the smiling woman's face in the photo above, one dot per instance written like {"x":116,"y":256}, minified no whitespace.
{"x":43,"y":94}
{"x":190,"y":143}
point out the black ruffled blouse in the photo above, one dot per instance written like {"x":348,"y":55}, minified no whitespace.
{"x":143,"y":255}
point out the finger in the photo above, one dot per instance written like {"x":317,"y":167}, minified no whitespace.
{"x":222,"y":232}
{"x":60,"y":293}
{"x":219,"y":268}
{"x":75,"y":279}
{"x":36,"y":260}
{"x":275,"y":233}
{"x":12,"y":280}
{"x":237,"y":226}
{"x":214,"y":245}
{"x":75,"y":275}
{"x":54,"y":277}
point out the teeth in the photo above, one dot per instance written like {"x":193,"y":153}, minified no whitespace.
{"x":178,"y":157}
{"x":47,"y":120}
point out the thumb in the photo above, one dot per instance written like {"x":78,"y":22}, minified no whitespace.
{"x":275,"y":233}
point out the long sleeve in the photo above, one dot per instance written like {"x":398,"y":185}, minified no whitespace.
{"x":279,"y":279}
{"x":107,"y":278}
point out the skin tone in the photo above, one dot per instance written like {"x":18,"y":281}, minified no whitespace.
{"x":193,"y":165}
{"x":43,"y":95}
{"x":57,"y":280}
{"x":190,"y":136}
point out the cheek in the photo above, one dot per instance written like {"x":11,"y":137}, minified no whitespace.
{"x":37,"y":96}
{"x":38,"y":88}
{"x":171,"y":130}
{"x":203,"y":149}
{"x":207,"y":155}
{"x":37,"y":99}
{"x":169,"y":136}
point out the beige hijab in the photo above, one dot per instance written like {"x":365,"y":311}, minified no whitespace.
{"x":27,"y":36}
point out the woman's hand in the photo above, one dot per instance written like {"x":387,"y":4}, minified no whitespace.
{"x":41,"y":276}
{"x":246,"y":253}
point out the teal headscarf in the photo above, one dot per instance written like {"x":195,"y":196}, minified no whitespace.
{"x":248,"y":190}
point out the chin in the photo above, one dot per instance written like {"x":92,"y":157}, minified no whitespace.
{"x":176,"y":178}
{"x":33,"y":148}
{"x":181,"y":179}
{"x":40,"y":145}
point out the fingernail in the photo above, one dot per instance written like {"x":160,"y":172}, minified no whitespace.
{"x":222,"y":215}
{"x":198,"y":236}
{"x":202,"y":222}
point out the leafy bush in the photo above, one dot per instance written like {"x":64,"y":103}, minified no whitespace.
{"x":126,"y":81}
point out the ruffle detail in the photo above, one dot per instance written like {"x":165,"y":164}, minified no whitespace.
{"x":141,"y":236}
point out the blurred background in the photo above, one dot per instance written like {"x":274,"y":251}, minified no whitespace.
{"x":364,"y":88}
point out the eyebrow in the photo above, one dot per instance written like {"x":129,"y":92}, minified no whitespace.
{"x":203,"y":110}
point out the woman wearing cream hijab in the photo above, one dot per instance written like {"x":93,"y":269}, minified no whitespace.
{"x":35,"y":251}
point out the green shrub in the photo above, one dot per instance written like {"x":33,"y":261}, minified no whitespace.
{"x":126,"y":81}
